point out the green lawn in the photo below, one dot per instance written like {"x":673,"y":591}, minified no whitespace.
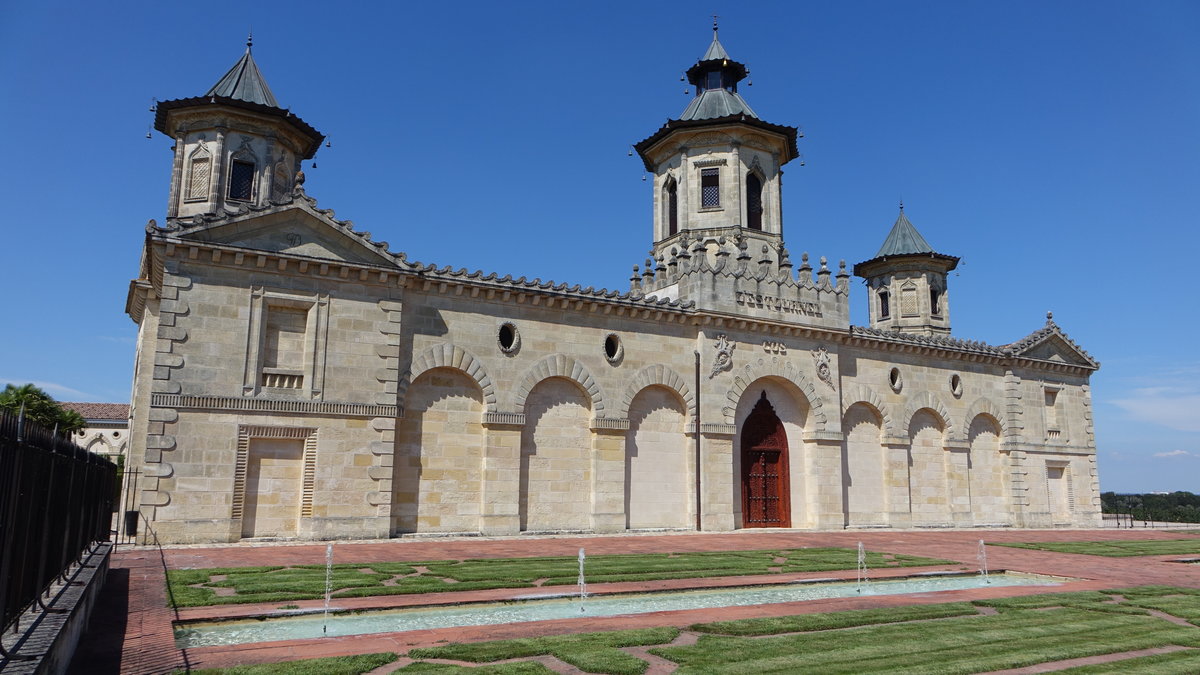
{"x":213,"y":586}
{"x":945,"y":638}
{"x":1113,"y":549}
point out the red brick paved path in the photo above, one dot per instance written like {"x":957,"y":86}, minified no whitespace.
{"x":140,"y":624}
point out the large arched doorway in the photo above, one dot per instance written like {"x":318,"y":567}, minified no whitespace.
{"x":765,"y":495}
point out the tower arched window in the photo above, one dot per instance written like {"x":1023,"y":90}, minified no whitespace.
{"x":754,"y":201}
{"x":199,"y":174}
{"x":672,"y":207}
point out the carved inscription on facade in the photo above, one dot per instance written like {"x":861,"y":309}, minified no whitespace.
{"x":778,"y":304}
{"x":771,"y":347}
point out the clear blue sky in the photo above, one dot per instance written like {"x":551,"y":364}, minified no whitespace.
{"x":1054,"y":146}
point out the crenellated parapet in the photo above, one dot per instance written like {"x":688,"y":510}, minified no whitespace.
{"x":722,"y":275}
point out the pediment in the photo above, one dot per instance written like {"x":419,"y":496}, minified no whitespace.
{"x":1057,"y":348}
{"x":293,"y":230}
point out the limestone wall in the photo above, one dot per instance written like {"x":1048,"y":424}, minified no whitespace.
{"x":372,"y":409}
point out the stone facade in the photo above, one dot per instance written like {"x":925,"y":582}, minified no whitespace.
{"x":296,"y":379}
{"x":107,"y":430}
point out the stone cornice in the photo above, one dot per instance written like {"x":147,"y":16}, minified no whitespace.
{"x":233,"y":403}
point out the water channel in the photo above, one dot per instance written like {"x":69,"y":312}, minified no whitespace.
{"x":532,"y":608}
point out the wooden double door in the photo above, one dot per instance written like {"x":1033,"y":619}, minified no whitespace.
{"x":766,"y":500}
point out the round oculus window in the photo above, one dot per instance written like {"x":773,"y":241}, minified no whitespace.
{"x":956,"y":385}
{"x":895,"y":380}
{"x":613,"y":349}
{"x":508,"y":338}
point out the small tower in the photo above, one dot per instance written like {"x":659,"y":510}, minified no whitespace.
{"x":234,"y":146}
{"x":717,"y":169}
{"x":906,"y":283}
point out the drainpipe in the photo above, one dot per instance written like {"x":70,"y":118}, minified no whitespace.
{"x":698,"y":499}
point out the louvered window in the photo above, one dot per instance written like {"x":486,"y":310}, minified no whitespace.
{"x":710,"y":188}
{"x":241,"y":180}
{"x":198,"y":180}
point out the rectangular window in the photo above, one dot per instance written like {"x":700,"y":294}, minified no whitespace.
{"x":241,"y":180}
{"x":885,"y":309}
{"x":199,"y":178}
{"x":1053,"y":430}
{"x":710,"y":188}
{"x":283,"y":347}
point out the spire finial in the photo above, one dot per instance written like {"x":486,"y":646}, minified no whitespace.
{"x":715,"y":17}
{"x":249,"y":39}
{"x":902,"y":204}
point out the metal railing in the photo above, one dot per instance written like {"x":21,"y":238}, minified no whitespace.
{"x":56,"y":503}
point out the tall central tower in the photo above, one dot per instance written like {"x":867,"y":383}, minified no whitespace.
{"x":717,"y":168}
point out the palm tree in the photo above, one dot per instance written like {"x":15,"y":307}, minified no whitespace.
{"x":40,"y":408}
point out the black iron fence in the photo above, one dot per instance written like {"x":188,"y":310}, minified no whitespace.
{"x":56,"y":503}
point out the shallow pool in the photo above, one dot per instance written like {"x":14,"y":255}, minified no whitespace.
{"x":539,"y":609}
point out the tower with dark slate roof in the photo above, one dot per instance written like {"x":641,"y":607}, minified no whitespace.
{"x":906,"y":281}
{"x":234,"y":146}
{"x":717,"y":167}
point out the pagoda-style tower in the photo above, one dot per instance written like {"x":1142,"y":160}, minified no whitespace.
{"x":718,"y":215}
{"x":234,"y":146}
{"x":906,"y":282}
{"x":717,"y":168}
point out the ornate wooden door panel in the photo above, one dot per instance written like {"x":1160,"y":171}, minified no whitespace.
{"x":765,"y":494}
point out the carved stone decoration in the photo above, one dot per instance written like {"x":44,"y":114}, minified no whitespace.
{"x":821,"y":359}
{"x":724,"y":357}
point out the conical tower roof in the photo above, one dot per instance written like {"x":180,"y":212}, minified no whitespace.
{"x":244,"y":87}
{"x":244,"y":82}
{"x":715,"y":51}
{"x":717,"y":101}
{"x":903,"y":239}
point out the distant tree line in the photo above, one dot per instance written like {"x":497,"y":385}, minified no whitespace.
{"x":1171,"y":507}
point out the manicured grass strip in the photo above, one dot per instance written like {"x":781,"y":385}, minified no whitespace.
{"x":518,"y":668}
{"x":334,"y":665}
{"x":1072,"y":599}
{"x":590,"y":652}
{"x":1175,"y":663}
{"x":1113,"y":549}
{"x":857,"y":617}
{"x":307,"y":582}
{"x":1182,"y":606}
{"x":963,"y":645}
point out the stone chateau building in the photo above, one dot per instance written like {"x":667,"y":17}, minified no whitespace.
{"x":297,"y":379}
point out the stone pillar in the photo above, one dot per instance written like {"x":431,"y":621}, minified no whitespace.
{"x":739,"y":186}
{"x":501,"y":472}
{"x":823,"y":480}
{"x":958,"y":483}
{"x":176,"y":178}
{"x":608,"y":474}
{"x":896,"y":480}
{"x":216,"y":195}
{"x":267,"y":187}
{"x":685,"y":186}
{"x":717,"y":479}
